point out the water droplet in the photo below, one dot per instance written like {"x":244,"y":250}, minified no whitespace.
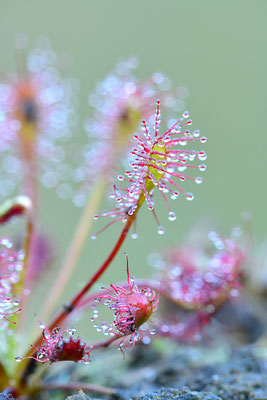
{"x":203,"y":139}
{"x":134,"y":236}
{"x":202,"y":167}
{"x":96,"y":216}
{"x":18,"y":359}
{"x":161,"y":230}
{"x":152,"y":331}
{"x":202,"y":156}
{"x":186,"y":114}
{"x":71,"y":331}
{"x":172,"y":216}
{"x":190,"y":196}
{"x":198,"y":180}
{"x":196,"y":133}
{"x":146,"y":340}
{"x":93,"y":236}
{"x":174,"y":196}
{"x":42,"y":325}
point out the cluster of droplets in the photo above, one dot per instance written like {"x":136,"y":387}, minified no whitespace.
{"x":201,"y":278}
{"x":158,"y":163}
{"x":99,"y":324}
{"x":60,"y":345}
{"x":119,"y":103}
{"x":43,"y":101}
{"x":131,"y":307}
{"x":11,"y":265}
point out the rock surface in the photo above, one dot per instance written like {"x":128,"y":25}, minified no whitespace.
{"x":181,"y":376}
{"x":177,"y":394}
{"x":78,"y":397}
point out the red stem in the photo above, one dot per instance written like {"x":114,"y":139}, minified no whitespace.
{"x":95,"y":277}
{"x":73,"y":304}
{"x":106,"y":343}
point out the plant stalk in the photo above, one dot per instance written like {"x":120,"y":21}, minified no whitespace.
{"x":73,"y":304}
{"x":74,"y":251}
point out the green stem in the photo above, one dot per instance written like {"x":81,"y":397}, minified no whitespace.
{"x":74,"y":251}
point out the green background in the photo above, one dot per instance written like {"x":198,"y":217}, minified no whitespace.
{"x":216,"y":49}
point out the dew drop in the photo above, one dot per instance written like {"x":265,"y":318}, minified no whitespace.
{"x":190,"y":197}
{"x":93,"y":236}
{"x":161,"y":230}
{"x":198,"y":180}
{"x":172,"y":216}
{"x":202,"y":167}
{"x":146,"y":340}
{"x":96,"y":217}
{"x":203,"y":139}
{"x":174,"y":196}
{"x":71,"y":331}
{"x":186,"y":114}
{"x":152,"y":331}
{"x":134,"y":236}
{"x":40,"y":355}
{"x":202,"y":156}
{"x":18,"y":359}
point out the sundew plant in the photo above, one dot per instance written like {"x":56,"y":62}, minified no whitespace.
{"x":143,"y":149}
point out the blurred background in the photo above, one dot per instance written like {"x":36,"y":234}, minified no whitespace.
{"x":218,"y":51}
